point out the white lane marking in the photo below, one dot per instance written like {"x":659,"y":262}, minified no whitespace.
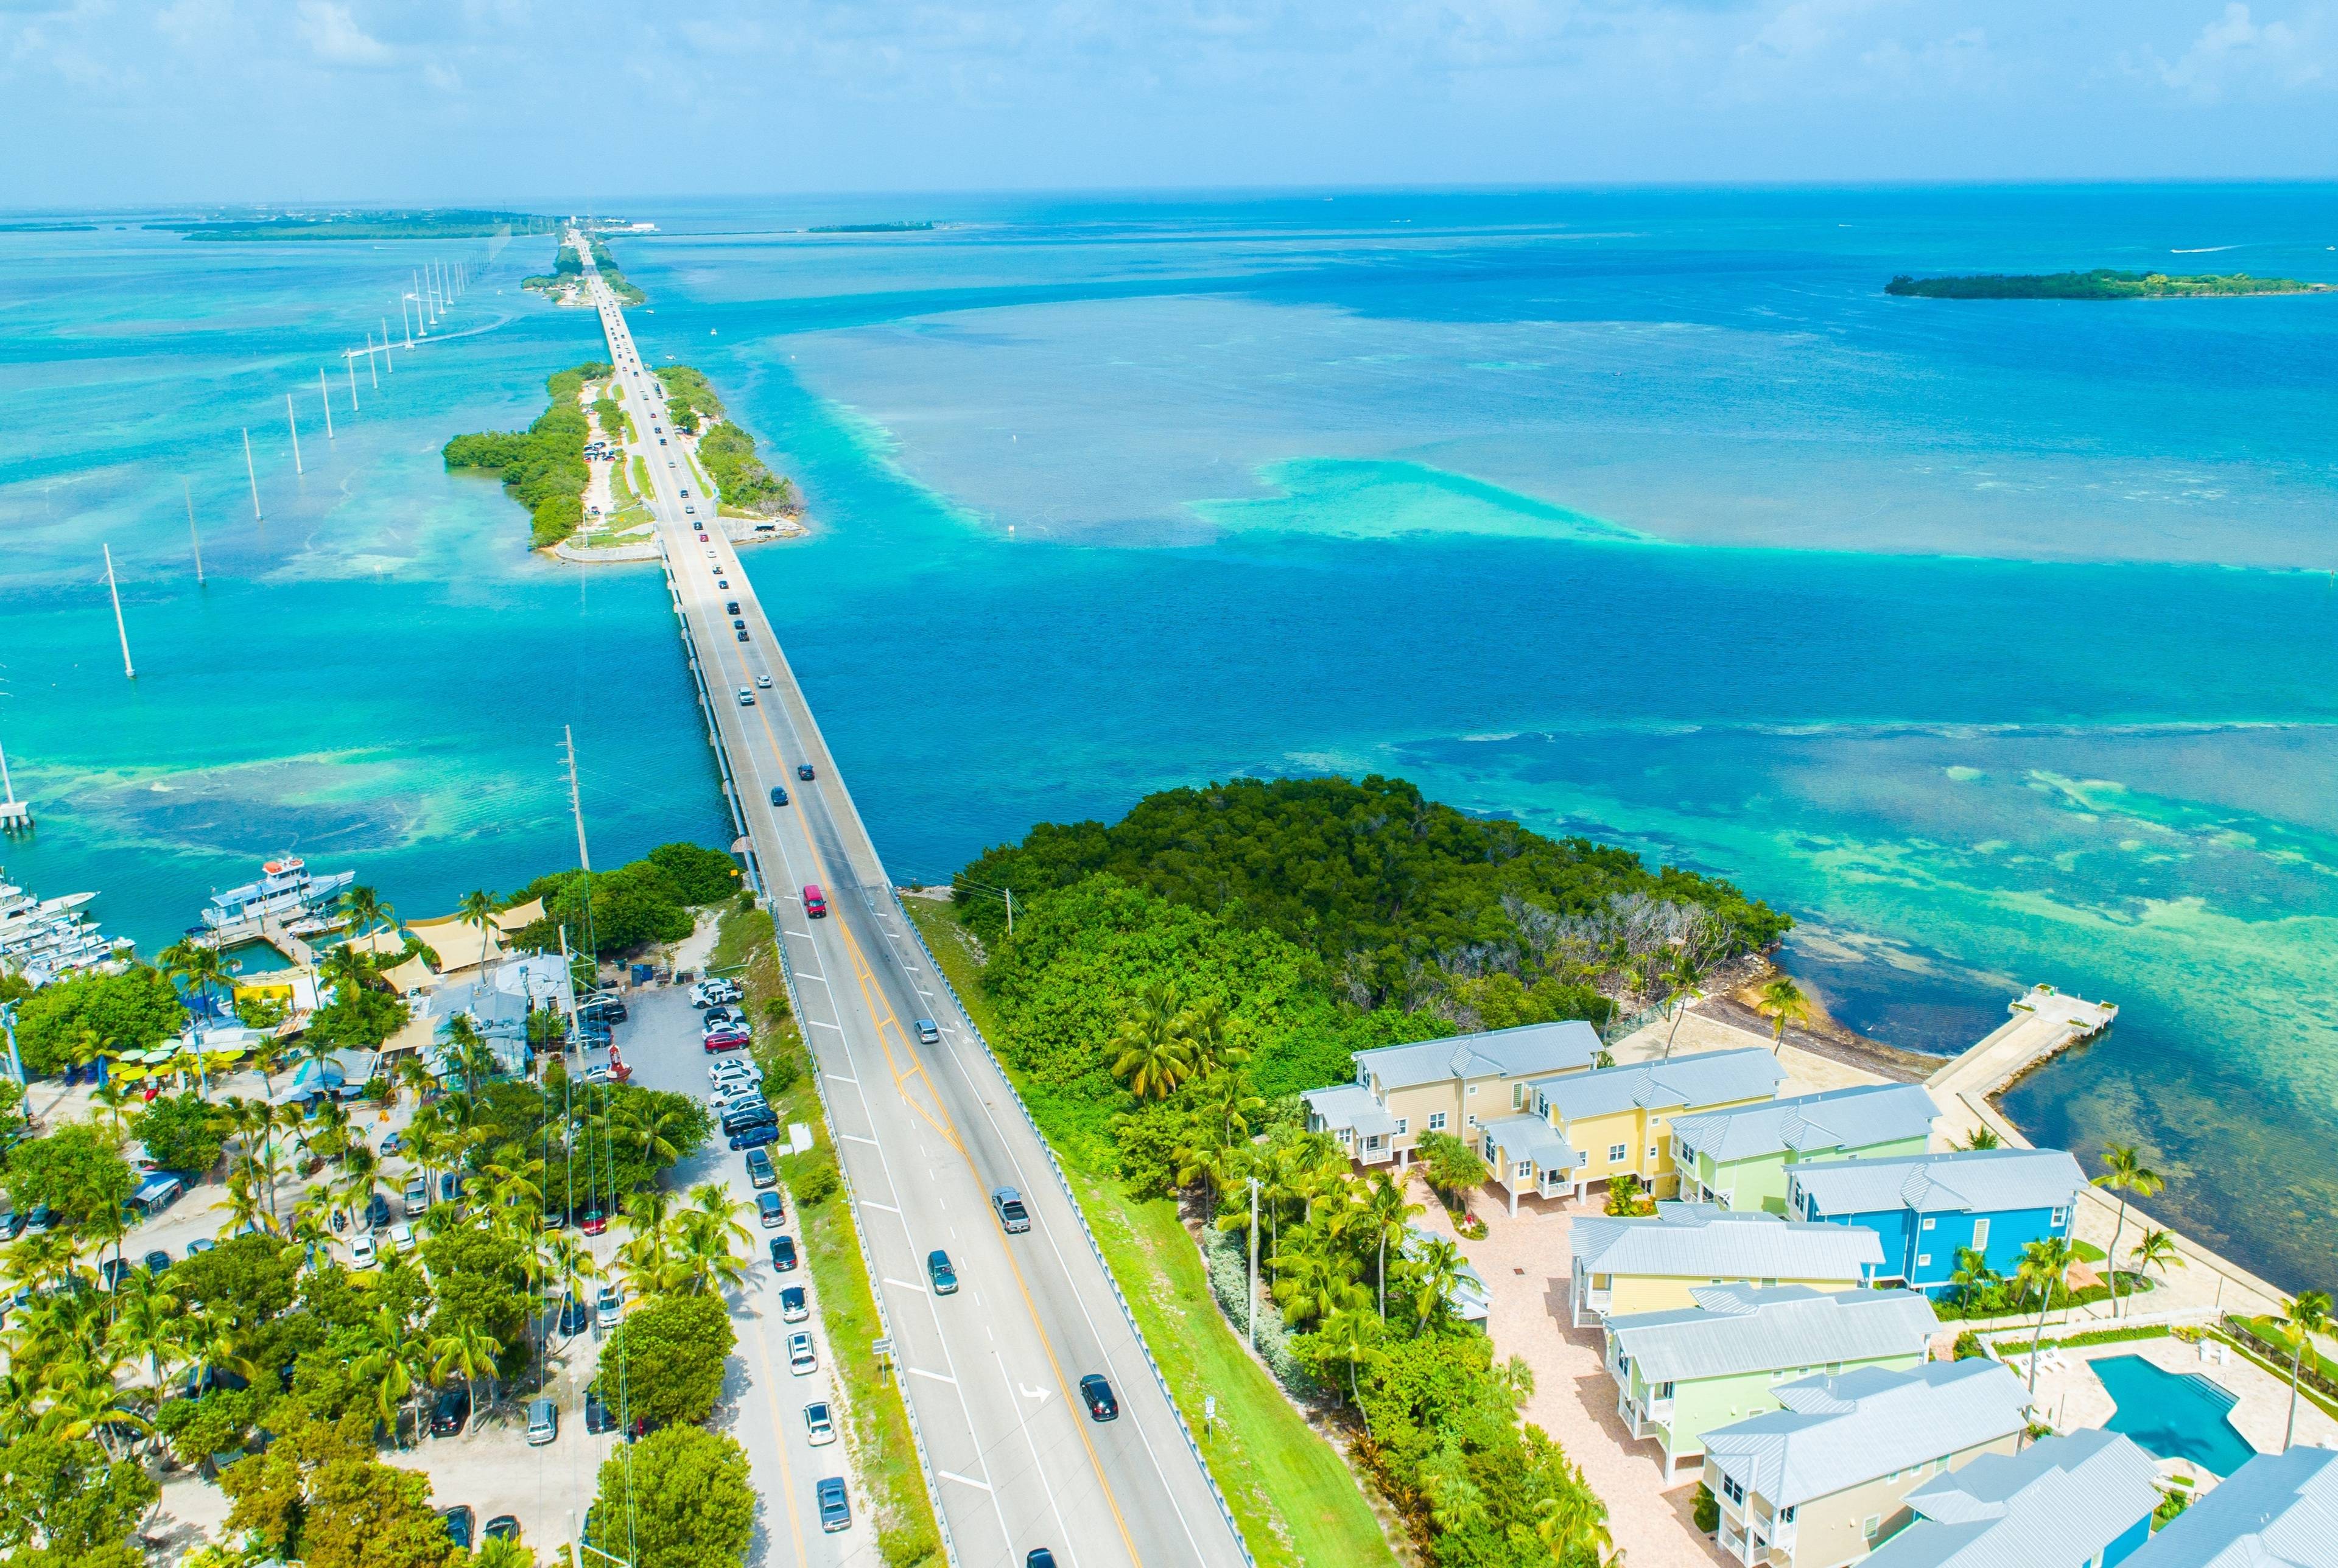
{"x":842,"y":1079}
{"x":1031,"y":1393}
{"x":923,"y":991}
{"x":857,"y":1138}
{"x":808,"y":975}
{"x":1063,"y":1532}
{"x":905,"y":1284}
{"x":872,"y":1203}
{"x":936,"y":1377}
{"x":818,"y":1024}
{"x":963,"y":1480}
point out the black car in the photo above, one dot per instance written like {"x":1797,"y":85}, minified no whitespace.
{"x":449,"y":1412}
{"x":783,"y":1253}
{"x":803,"y":770}
{"x":502,"y":1527}
{"x":450,"y":1187}
{"x":603,"y":1009}
{"x":742,"y":635}
{"x":574,"y":1315}
{"x":598,"y":1416}
{"x":158,"y":1261}
{"x":458,"y":1522}
{"x":1040,"y":1557}
{"x":1096,"y":1394}
{"x":378,"y":1212}
{"x":12,"y":1225}
{"x":114,"y":1270}
{"x":730,"y":607}
{"x":754,"y":1113}
{"x":779,"y":795}
{"x":742,"y":625}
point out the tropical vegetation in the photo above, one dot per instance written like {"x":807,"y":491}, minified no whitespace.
{"x":742,"y":484}
{"x":2101,"y":283}
{"x":543,"y":466}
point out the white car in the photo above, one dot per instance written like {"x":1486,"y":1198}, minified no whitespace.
{"x":820,"y":1430}
{"x":402,"y":1236}
{"x":746,"y":698}
{"x":608,"y":1307}
{"x":361,"y":1254}
{"x":801,"y":1361}
{"x":764,"y":681}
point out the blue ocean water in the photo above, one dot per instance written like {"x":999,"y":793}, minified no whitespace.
{"x":1995,"y":641}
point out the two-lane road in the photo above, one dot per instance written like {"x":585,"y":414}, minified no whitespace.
{"x":927,"y":1130}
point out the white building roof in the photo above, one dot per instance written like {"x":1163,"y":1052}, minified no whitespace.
{"x":1838,"y":1432}
{"x":1711,"y":1078}
{"x":1527,"y":1052}
{"x":2277,"y":1511}
{"x":1740,"y":1328}
{"x":1524,"y":1137}
{"x":2058,"y":1503}
{"x":1694,"y":1246}
{"x":1344,"y":1105}
{"x":1975,"y":1180}
{"x":1839,"y":1119}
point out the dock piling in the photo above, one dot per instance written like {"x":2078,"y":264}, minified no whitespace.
{"x":325,"y":393}
{"x":251,"y":474}
{"x":351,"y":361}
{"x":293,"y":420}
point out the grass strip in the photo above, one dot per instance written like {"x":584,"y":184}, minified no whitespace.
{"x":1291,"y":1491}
{"x":875,"y":1421}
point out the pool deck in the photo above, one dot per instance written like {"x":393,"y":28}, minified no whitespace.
{"x":2076,"y":1398}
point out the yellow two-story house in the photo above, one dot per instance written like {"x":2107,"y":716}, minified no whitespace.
{"x":1626,"y":1266}
{"x":1453,"y":1085}
{"x":1617,"y":1121}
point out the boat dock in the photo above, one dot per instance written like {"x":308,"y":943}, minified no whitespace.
{"x":261,"y":929}
{"x":2045,"y":1022}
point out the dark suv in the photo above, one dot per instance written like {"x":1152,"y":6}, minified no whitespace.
{"x":449,"y":1411}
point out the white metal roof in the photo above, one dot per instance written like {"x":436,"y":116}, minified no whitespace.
{"x":1742,"y":1247}
{"x":1839,"y":1432}
{"x":1973,"y":1181}
{"x":2277,"y":1511}
{"x":1346,"y":1105}
{"x":1739,"y":1328}
{"x":1525,"y":1052}
{"x":2057,"y":1504}
{"x":1839,"y":1119}
{"x":1711,"y":1078}
{"x":1524,"y":1137}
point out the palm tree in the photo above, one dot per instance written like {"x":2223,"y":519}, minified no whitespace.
{"x":1572,"y":1526}
{"x":1682,"y":978}
{"x":1349,"y":1335}
{"x":1313,"y":1284}
{"x":2307,"y":1314}
{"x":1436,"y":1271}
{"x":1782,"y":1003}
{"x":148,"y":1324}
{"x":1973,"y":1276}
{"x":2156,"y":1249}
{"x":1209,"y":1031}
{"x":366,"y":910}
{"x":1387,"y":1212}
{"x":466,"y":1349}
{"x":2125,"y":1172}
{"x":2043,"y":1264}
{"x":1982,"y":1138}
{"x":389,"y":1366}
{"x":478,"y":908}
{"x":1154,"y":1054}
{"x":193,"y":964}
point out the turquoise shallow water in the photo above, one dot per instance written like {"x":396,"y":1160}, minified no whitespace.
{"x":1997,"y":644}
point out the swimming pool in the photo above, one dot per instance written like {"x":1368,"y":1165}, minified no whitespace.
{"x":2174,"y":1415}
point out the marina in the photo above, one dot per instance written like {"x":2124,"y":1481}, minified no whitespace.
{"x":46,"y":939}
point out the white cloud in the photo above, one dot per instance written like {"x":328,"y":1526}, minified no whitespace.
{"x":2235,"y":53}
{"x":335,"y":38}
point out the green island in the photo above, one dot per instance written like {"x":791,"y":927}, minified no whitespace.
{"x":565,"y":284}
{"x":904,"y":226}
{"x":543,"y":466}
{"x":423,"y":223}
{"x":744,"y":487}
{"x":1170,"y":983}
{"x":2102,"y":283}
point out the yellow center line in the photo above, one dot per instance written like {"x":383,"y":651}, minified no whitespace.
{"x":779,"y":1432}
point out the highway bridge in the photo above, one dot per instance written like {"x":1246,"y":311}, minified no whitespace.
{"x":925,"y":1129}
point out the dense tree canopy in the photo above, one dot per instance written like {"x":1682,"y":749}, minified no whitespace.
{"x":182,"y":1133}
{"x":1379,"y":882}
{"x":684,"y":1501}
{"x":77,"y":1171}
{"x":66,"y":1496}
{"x":543,"y":466}
{"x":318,"y":1495}
{"x":643,"y":901}
{"x":131,"y":1011}
{"x":667,"y":1355}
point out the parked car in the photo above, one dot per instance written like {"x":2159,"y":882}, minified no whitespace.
{"x":377,"y":1211}
{"x":402,"y":1236}
{"x":793,"y":1307}
{"x":418,"y":1195}
{"x":608,"y":1307}
{"x":595,"y":1222}
{"x":1096,"y":1394}
{"x":456,"y":1521}
{"x":755,"y":1137}
{"x":574,"y":1315}
{"x":449,"y":1411}
{"x":604,"y":1009}
{"x":716,"y":1043}
{"x":598,"y":1416}
{"x":200,"y":1246}
{"x":803,"y":1360}
{"x":157,"y":1262}
{"x":758,"y":1114}
{"x":1011,"y":1212}
{"x":12,"y":1225}
{"x":820,"y":1426}
{"x":939,"y":1271}
{"x":110,"y":1273}
{"x":760,"y":1173}
{"x":783,"y":1253}
{"x":835,"y":1512}
{"x":394,"y":1144}
{"x":779,"y":795}
{"x":361,"y":1251}
{"x":450,"y":1187}
{"x":770,"y":1212}
{"x":543,"y":1422}
{"x":928,"y":1033}
{"x":815,"y":902}
{"x":502,"y":1527}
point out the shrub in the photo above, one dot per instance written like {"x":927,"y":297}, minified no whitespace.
{"x":1226,"y":1258}
{"x":812,"y":1178}
{"x":1704,"y":1509}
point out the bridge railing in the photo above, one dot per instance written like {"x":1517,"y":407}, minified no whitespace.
{"x":1063,"y":1184}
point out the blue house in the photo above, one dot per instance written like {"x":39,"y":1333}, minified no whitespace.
{"x":1926,"y":1207}
{"x":2079,"y":1501}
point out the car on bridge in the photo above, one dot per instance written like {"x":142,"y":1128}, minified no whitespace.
{"x":779,"y":794}
{"x":815,"y":902}
{"x":762,"y":683}
{"x":803,"y":771}
{"x":1011,"y":1212}
{"x":746,"y":698}
{"x":1097,"y":1396}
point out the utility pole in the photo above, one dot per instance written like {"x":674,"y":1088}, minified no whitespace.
{"x":251,"y":474}
{"x":575,"y":804}
{"x":1010,"y":911}
{"x":326,"y":393}
{"x":293,"y":420}
{"x":351,"y":359}
{"x":119,"y":630}
{"x":198,"y":538}
{"x":1254,"y":1265}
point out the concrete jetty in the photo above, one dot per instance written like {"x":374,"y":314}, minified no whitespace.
{"x":2044,"y":1023}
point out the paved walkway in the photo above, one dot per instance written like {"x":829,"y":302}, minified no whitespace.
{"x":1524,"y":1262}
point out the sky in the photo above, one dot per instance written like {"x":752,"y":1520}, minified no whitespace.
{"x":123,"y":103}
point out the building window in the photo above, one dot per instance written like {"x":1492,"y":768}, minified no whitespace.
{"x":1437,"y":1121}
{"x":1403,"y":1124}
{"x":1486,"y":1148}
{"x":1980,"y":1236}
{"x":1731,"y":1489}
{"x":1785,"y":1516}
{"x":1929,"y":1222}
{"x":1924,"y":1259}
{"x":1473,"y":1089}
{"x":1616,"y":1151}
{"x":1870,"y":1524}
{"x":1663,"y":1390}
{"x":1472,"y":1119}
{"x":1652,"y":1152}
{"x":1525,"y":1170}
{"x":2061,"y":1217}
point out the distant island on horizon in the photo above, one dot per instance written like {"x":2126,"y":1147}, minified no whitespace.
{"x":2102,"y":283}
{"x":904,"y":226}
{"x":427,"y":223}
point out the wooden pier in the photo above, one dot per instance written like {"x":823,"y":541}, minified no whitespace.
{"x":2045,"y":1022}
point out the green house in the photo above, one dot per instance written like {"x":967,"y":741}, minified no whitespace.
{"x":1681,"y":1373}
{"x":1739,"y":1159}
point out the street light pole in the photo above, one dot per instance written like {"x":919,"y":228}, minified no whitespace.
{"x":1254,"y":1265}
